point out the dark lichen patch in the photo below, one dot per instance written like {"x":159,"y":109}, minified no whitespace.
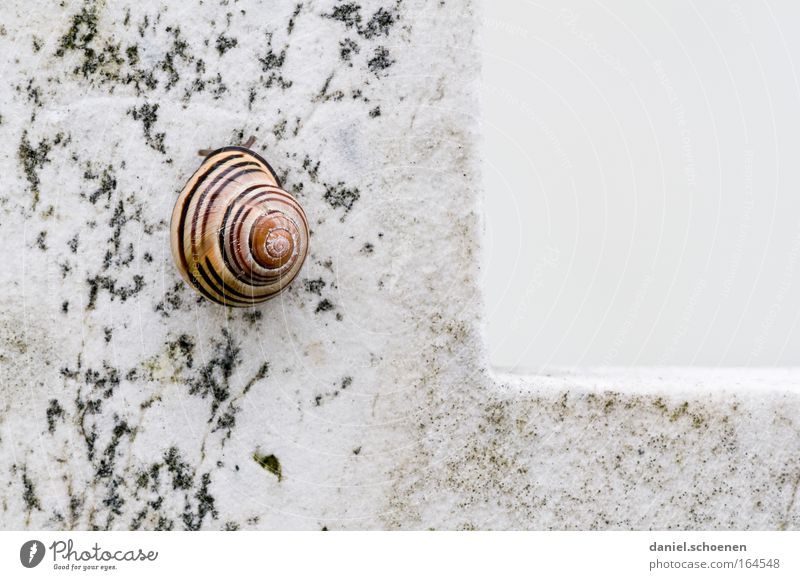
{"x":348,"y":13}
{"x":34,"y":96}
{"x":380,"y":24}
{"x":380,"y":61}
{"x":271,"y":64}
{"x":261,"y":374}
{"x":103,"y":59}
{"x":340,"y":196}
{"x":172,"y":301}
{"x":293,"y":19}
{"x":376,"y":112}
{"x":325,"y":94}
{"x":105,"y":381}
{"x":368,"y":248}
{"x":148,"y":115}
{"x":55,"y":412}
{"x":227,"y":421}
{"x":114,"y":289}
{"x":105,"y":468}
{"x":269,"y":463}
{"x":182,"y":350}
{"x":279,"y":129}
{"x":33,"y":159}
{"x":343,"y":385}
{"x":324,"y":306}
{"x":252,"y":315}
{"x":213,"y":378}
{"x":225,"y":43}
{"x":107,"y":183}
{"x":179,"y":51}
{"x":181,"y":472}
{"x":29,"y":493}
{"x":80,"y":34}
{"x":41,"y":241}
{"x":193,"y":520}
{"x":118,"y":255}
{"x":348,"y":48}
{"x":679,"y":411}
{"x":314,"y":286}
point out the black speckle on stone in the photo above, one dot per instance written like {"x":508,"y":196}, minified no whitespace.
{"x":348,"y":14}
{"x":376,"y":112}
{"x":272,"y":62}
{"x":290,"y":26}
{"x":368,"y":248}
{"x":173,"y":300}
{"x":73,"y":244}
{"x":33,"y":158}
{"x":347,"y":48}
{"x":357,"y":450}
{"x":41,"y":241}
{"x":279,"y":129}
{"x":108,"y":184}
{"x":314,"y":286}
{"x":29,"y":493}
{"x":380,"y":60}
{"x":213,"y":378}
{"x":108,"y":332}
{"x":82,"y":30}
{"x":269,"y":463}
{"x":340,"y":196}
{"x":379,"y":25}
{"x":148,"y":115}
{"x":182,"y":348}
{"x":132,"y":52}
{"x":106,"y":466}
{"x":110,"y":285}
{"x":225,"y":43}
{"x":324,"y":306}
{"x":346,"y":382}
{"x":54,"y":411}
{"x":65,"y":306}
{"x":311,"y":168}
{"x":182,"y":473}
{"x":192,"y":520}
{"x":252,"y":315}
{"x":262,"y":372}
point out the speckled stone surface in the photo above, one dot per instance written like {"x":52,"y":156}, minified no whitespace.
{"x":358,"y":399}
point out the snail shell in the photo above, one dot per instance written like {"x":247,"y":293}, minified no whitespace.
{"x":236,"y":236}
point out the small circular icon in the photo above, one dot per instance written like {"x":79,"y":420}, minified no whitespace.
{"x":31,"y":553}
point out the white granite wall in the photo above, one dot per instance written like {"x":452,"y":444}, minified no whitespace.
{"x":358,"y":399}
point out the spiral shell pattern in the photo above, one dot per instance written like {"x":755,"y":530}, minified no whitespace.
{"x":236,"y":236}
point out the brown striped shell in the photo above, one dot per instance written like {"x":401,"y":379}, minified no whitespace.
{"x":236,"y":236}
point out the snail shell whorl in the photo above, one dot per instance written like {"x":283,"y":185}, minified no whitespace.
{"x":236,"y":236}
